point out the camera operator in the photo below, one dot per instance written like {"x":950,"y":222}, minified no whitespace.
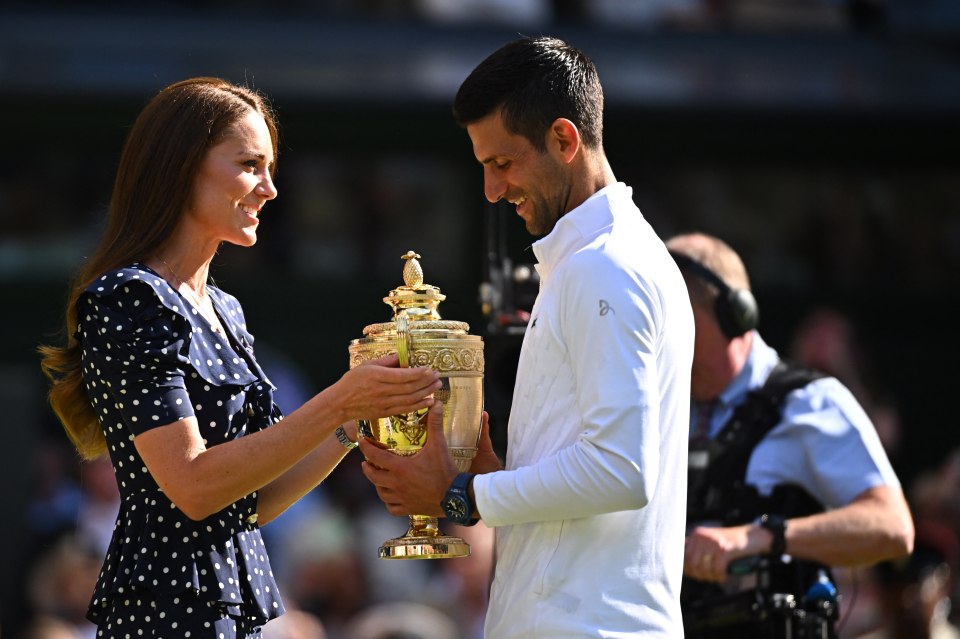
{"x":787,"y":473}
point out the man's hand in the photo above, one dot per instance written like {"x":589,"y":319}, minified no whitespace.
{"x":414,"y":484}
{"x":708,"y":552}
{"x":486,"y":460}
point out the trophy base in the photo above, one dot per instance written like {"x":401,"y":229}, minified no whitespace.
{"x":439,"y":547}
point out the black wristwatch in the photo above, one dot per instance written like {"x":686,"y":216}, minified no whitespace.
{"x":456,"y":504}
{"x":776,"y":524}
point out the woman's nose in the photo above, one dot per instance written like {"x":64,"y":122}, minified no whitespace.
{"x":266,"y":187}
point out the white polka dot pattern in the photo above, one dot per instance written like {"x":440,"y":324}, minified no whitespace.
{"x":150,"y":360}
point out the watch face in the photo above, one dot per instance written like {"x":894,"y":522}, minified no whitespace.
{"x":455,"y":508}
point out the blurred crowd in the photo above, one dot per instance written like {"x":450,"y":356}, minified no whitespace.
{"x":740,"y":14}
{"x":910,"y":598}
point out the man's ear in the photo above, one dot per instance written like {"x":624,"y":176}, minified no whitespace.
{"x":564,"y":138}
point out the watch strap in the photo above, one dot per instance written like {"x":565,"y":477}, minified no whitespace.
{"x":777,"y":525}
{"x":461,"y":486}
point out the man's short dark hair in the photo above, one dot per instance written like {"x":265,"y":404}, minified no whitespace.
{"x":535,"y":81}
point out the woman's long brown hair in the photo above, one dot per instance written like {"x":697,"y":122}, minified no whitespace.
{"x":154,"y":182}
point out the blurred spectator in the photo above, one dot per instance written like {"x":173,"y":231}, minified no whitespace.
{"x":59,"y":587}
{"x":530,"y":12}
{"x":45,"y":627}
{"x":462,"y":586}
{"x":294,"y":624}
{"x":915,"y":591}
{"x":402,"y":620}
{"x":99,"y":504}
{"x":651,"y":13}
{"x":827,"y":340}
{"x":777,"y":14}
{"x":936,"y":492}
{"x":55,"y":494}
{"x":323,"y":574}
{"x":934,"y":498}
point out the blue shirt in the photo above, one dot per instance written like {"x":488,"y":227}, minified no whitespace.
{"x":825,"y":442}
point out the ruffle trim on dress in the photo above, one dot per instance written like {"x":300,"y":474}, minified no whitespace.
{"x":222,"y":558}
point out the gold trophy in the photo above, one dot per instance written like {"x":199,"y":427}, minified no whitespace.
{"x":420,"y":338}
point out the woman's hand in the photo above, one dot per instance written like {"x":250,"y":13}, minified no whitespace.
{"x":380,"y":388}
{"x":350,"y":430}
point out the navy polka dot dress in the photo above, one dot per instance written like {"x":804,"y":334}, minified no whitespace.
{"x":149,"y":359}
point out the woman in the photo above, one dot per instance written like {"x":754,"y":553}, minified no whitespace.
{"x":159,"y":371}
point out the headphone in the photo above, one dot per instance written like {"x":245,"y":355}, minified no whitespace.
{"x":735,"y":309}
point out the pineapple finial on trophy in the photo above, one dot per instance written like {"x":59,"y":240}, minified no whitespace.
{"x":412,"y":271}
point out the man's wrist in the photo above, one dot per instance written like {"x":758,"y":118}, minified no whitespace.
{"x":457,"y":503}
{"x":777,"y":526}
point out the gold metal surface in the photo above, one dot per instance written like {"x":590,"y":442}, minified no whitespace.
{"x":419,"y":337}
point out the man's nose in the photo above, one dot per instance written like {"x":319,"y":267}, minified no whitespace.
{"x":493,"y":187}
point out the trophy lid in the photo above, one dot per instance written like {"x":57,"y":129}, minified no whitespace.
{"x":416,"y":333}
{"x":415,"y":304}
{"x":416,"y":300}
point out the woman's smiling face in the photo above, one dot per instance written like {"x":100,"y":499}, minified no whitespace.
{"x":234,"y":183}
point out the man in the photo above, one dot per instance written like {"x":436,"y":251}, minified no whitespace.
{"x":589,"y":535}
{"x":804,"y":478}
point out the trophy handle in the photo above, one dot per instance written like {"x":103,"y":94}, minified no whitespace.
{"x":404,"y":343}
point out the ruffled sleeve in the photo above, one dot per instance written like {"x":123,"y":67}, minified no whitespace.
{"x":136,"y":352}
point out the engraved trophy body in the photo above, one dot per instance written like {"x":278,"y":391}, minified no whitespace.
{"x":420,"y":337}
